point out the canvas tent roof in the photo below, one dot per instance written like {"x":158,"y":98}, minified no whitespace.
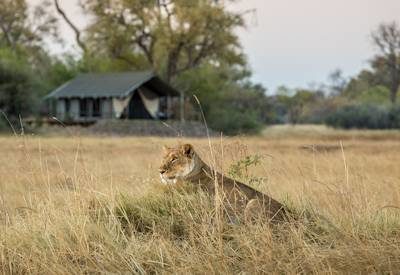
{"x":111,"y":85}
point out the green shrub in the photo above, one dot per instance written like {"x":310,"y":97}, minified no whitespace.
{"x":365,"y":116}
{"x":230,"y":102}
{"x":394,"y":117}
{"x":17,"y":95}
{"x":232,"y":122}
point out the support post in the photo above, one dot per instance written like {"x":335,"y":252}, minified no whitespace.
{"x":182,"y":106}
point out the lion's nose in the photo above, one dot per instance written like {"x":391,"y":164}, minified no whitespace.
{"x":162,"y":170}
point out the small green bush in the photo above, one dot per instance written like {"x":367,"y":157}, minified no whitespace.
{"x":232,"y":122}
{"x":18,"y":96}
{"x":365,"y":116}
{"x":394,"y":117}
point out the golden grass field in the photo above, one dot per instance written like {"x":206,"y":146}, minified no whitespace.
{"x":81,"y":204}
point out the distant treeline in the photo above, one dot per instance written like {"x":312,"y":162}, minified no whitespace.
{"x":367,"y":100}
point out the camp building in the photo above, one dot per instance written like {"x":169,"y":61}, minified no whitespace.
{"x":126,"y":95}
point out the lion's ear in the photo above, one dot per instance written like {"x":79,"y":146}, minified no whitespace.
{"x":187,"y":150}
{"x":166,"y":149}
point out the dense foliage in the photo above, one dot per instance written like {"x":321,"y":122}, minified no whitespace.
{"x":230,"y":103}
{"x":365,"y":116}
{"x":16,"y":98}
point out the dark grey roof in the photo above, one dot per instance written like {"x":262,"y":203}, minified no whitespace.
{"x":110,"y":85}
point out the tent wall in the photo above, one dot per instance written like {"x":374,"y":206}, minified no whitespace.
{"x":74,"y":109}
{"x":150,"y":100}
{"x":106,"y":108}
{"x":60,"y":109}
{"x":67,"y":109}
{"x":120,"y":106}
{"x":143,"y":103}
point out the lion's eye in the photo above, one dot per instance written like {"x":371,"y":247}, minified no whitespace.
{"x":173,"y":160}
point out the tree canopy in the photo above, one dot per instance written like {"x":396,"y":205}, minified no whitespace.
{"x":387,"y":62}
{"x":168,"y":36}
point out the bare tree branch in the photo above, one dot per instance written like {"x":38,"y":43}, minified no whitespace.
{"x":72,"y":26}
{"x":387,"y":39}
{"x":148,"y":50}
{"x":7,"y":36}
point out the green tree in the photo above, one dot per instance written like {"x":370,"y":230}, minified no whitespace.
{"x":16,"y":86}
{"x":387,"y":39}
{"x":26,"y":69}
{"x":230,"y":102}
{"x":337,"y":82}
{"x":299,"y":105}
{"x":369,"y":86}
{"x":22,"y":30}
{"x":168,"y":36}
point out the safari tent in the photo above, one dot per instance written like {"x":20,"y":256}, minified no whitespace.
{"x":127,"y":95}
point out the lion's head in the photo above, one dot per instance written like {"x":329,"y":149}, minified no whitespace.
{"x":179,"y":163}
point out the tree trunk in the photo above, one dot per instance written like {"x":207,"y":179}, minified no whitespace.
{"x":394,"y":87}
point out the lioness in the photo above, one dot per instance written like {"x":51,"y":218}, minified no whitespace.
{"x":183,"y":164}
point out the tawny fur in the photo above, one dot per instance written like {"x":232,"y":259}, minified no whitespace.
{"x":183,"y":164}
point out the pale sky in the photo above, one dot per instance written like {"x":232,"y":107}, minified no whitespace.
{"x":297,"y":42}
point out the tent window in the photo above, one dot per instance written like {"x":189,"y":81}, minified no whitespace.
{"x":83,"y":107}
{"x":96,"y":107}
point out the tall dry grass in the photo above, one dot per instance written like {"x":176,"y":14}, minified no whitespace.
{"x":72,"y":205}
